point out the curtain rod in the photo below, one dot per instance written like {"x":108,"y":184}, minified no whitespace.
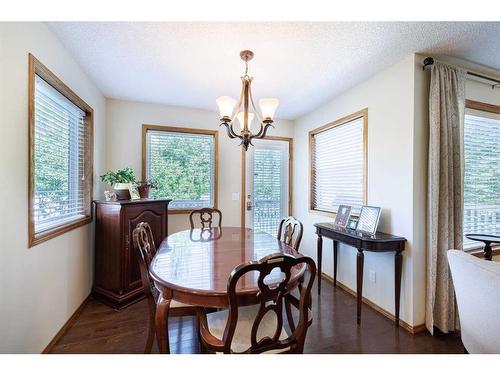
{"x":429,"y":61}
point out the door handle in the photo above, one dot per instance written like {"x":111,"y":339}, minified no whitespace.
{"x":249,"y":203}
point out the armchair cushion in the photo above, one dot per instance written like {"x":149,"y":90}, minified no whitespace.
{"x":477,"y":288}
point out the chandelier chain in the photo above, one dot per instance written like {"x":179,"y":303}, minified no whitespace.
{"x":246,"y":68}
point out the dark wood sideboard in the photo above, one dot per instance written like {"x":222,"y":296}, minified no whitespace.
{"x":117,"y":278}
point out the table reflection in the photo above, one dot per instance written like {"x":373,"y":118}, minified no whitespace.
{"x":203,"y":259}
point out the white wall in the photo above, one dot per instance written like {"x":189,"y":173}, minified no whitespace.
{"x":124,"y":121}
{"x":481,"y":92}
{"x":420,"y":153}
{"x":42,"y":286}
{"x":389,"y":97}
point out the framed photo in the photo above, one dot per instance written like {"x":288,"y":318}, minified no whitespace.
{"x":368,"y":219}
{"x":134,"y":193}
{"x":352,"y":223}
{"x":342,"y":216}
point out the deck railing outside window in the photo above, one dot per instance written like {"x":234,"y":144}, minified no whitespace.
{"x":482,"y":175}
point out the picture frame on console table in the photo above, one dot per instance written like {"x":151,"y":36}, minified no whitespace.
{"x":368,"y":219}
{"x":342,"y":216}
{"x":352,"y":223}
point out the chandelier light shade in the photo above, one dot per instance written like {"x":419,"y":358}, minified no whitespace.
{"x":231,"y":109}
{"x":241,"y":119}
{"x":226,"y":106}
{"x":268,"y":106}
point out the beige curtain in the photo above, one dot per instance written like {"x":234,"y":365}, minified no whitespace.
{"x":444,"y":192}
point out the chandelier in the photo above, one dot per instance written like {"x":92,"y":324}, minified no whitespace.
{"x":230,"y":109}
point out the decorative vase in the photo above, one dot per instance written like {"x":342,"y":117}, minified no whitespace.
{"x":122,"y":191}
{"x":144,"y":191}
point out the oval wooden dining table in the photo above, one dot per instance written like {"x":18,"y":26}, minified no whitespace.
{"x":193,"y":267}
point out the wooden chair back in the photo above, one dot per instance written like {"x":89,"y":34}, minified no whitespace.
{"x":289,"y":229}
{"x":272,"y":296}
{"x":206,"y":217}
{"x":145,"y":250}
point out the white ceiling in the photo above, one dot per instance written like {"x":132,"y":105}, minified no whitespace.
{"x":302,"y":64}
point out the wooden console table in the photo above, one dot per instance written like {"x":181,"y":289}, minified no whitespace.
{"x":379,"y":242}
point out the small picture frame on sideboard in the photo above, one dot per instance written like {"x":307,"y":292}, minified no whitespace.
{"x":134,"y":193}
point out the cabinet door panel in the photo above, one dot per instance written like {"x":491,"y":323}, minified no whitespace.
{"x":155,"y":216}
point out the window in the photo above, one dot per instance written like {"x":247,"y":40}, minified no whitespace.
{"x":183,"y":164}
{"x":482,"y":170}
{"x":338,"y":164}
{"x":60,"y":170}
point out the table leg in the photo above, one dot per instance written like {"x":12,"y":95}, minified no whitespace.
{"x":359,"y":281}
{"x":320,"y":256}
{"x":487,"y":251}
{"x":398,"y":263}
{"x":161,"y":319}
{"x":335,"y":251}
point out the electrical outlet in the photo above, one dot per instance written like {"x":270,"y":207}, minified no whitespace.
{"x":236,"y":196}
{"x":372,"y":276}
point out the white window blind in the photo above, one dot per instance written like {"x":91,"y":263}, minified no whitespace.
{"x":337,"y":167}
{"x":61,"y":160}
{"x":183,"y":167}
{"x":482,"y":174}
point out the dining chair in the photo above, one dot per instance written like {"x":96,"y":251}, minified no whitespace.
{"x":206,"y":216}
{"x":145,"y":250}
{"x":289,"y":228}
{"x":236,"y":330}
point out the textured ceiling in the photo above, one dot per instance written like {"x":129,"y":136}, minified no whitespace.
{"x":301,"y":64}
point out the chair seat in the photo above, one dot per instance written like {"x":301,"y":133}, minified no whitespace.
{"x":176,"y":304}
{"x":246,"y":317}
{"x":173,"y":303}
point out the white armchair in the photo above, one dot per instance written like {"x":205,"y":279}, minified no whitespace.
{"x":477,"y":287}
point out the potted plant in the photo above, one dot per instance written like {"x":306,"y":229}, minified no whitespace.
{"x":120,"y":181}
{"x":144,"y":187}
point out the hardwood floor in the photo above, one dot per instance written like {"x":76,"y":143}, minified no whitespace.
{"x":100,"y":329}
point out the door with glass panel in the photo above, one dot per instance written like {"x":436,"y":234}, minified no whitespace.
{"x":267,"y":184}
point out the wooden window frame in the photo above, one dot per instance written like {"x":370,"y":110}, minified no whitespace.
{"x":481,"y":106}
{"x":37,"y":68}
{"x":244,"y":179}
{"x":363,"y":113}
{"x":175,"y":129}
{"x":491,"y":108}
